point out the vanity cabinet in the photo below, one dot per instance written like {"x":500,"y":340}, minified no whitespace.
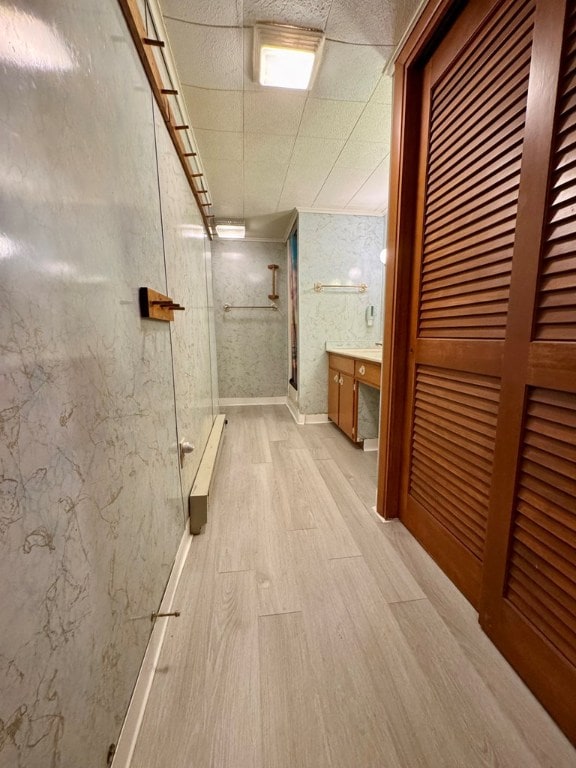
{"x":345,"y":373}
{"x":341,"y":394}
{"x":367,"y":373}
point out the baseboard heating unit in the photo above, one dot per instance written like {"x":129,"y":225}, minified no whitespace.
{"x":198,"y":501}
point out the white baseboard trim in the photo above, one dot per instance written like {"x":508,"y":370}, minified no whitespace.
{"x":306,"y":418}
{"x":135,"y":713}
{"x":231,"y":401}
{"x":370,"y":444}
{"x":316,"y":418}
{"x":293,"y":408}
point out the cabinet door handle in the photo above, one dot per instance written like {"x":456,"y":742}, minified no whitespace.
{"x":362,"y":370}
{"x":341,"y":381}
{"x":336,"y":378}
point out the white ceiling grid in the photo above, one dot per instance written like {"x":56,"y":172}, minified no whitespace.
{"x":266,"y":151}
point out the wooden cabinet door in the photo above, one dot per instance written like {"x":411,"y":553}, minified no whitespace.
{"x":347,"y":410}
{"x":529,"y":591}
{"x":475,"y":92}
{"x":333,"y":394}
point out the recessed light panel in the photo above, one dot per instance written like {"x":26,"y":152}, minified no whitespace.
{"x":231,"y":230}
{"x":286,"y":57}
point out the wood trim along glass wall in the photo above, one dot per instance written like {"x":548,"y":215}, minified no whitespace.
{"x":478,"y":417}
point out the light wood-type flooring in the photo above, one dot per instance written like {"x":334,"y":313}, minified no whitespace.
{"x":313,"y":635}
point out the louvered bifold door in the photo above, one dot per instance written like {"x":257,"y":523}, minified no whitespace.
{"x":471,"y":153}
{"x":529,"y":592}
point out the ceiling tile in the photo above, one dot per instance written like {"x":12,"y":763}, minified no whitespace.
{"x":380,"y":22}
{"x":383,"y":92}
{"x":315,"y":153}
{"x":273,"y":112}
{"x":329,"y":119}
{"x":374,"y":22}
{"x":302,"y":185}
{"x":249,"y":84}
{"x":364,"y":156}
{"x":267,"y":150}
{"x":374,"y":124}
{"x":340,"y":187}
{"x":262,"y":190}
{"x":214,"y":110}
{"x":225,"y":209}
{"x":349,"y":72}
{"x":258,"y":177}
{"x":302,"y":195}
{"x":224,"y":13}
{"x":209,"y":57}
{"x":404,"y":14}
{"x":224,"y":179}
{"x":373,"y":195}
{"x":271,"y":226}
{"x":371,"y":23}
{"x":226,"y":145}
{"x":263,"y":187}
{"x":312,"y":13}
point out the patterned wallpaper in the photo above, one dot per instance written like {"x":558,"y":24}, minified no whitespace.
{"x":335,"y":249}
{"x":92,"y":506}
{"x":252,"y":344}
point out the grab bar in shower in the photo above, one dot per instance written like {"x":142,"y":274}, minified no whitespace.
{"x":230,"y":307}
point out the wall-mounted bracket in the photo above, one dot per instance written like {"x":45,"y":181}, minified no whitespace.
{"x":156,"y":306}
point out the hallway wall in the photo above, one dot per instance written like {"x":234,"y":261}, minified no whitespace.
{"x":91,"y":502}
{"x":252,"y":344}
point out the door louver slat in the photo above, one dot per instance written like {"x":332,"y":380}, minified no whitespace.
{"x":556,"y":314}
{"x":542,"y":575}
{"x":477,"y":116}
{"x":452,"y":450}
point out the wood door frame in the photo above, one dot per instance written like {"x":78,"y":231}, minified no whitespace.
{"x":404,"y":168}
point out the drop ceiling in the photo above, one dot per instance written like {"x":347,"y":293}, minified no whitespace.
{"x":266,"y":151}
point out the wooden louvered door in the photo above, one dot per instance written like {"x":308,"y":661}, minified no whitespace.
{"x":528,"y":602}
{"x":475,"y":91}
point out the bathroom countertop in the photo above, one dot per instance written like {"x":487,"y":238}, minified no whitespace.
{"x":370,"y":354}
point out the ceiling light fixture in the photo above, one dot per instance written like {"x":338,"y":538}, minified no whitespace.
{"x":230,"y":230}
{"x":286,"y":56}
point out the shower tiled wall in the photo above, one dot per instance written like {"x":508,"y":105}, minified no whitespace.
{"x":252,"y":343}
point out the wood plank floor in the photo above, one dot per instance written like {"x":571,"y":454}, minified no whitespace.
{"x":314,"y":636}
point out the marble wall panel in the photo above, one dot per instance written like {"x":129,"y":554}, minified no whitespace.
{"x":252,"y":344}
{"x":91,"y":508}
{"x":340,"y":249}
{"x":368,"y":412}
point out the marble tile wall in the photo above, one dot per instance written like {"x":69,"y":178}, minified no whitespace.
{"x":335,"y":248}
{"x":252,"y":344}
{"x":368,"y":411}
{"x":91,"y":503}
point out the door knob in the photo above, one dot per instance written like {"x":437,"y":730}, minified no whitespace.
{"x":185,"y":447}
